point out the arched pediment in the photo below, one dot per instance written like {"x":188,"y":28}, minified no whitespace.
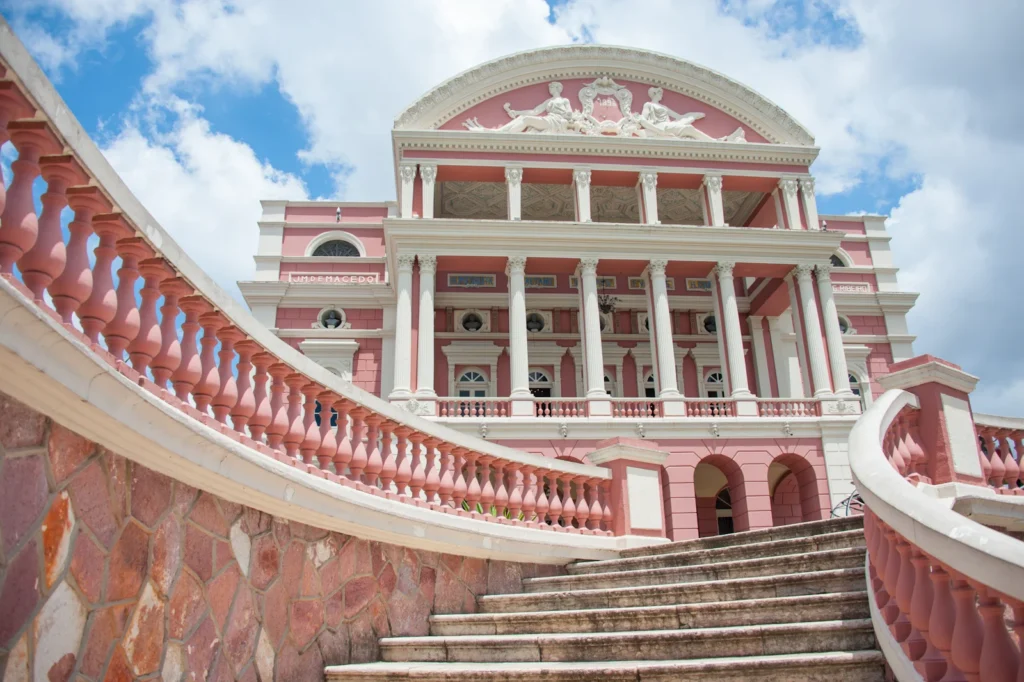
{"x":611,"y":80}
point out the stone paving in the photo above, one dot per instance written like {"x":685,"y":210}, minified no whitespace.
{"x":110,"y":571}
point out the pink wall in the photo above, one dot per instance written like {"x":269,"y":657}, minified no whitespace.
{"x":765,"y":216}
{"x":786,"y":507}
{"x":327,"y":214}
{"x":868,"y":324}
{"x":303,"y":318}
{"x":366,"y":365}
{"x":296,"y":239}
{"x":850,"y":225}
{"x":840,"y":277}
{"x":491,"y":113}
{"x":860,"y":252}
{"x":878,"y":363}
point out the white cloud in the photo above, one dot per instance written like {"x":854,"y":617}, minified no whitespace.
{"x":204,"y":188}
{"x":927,"y":93}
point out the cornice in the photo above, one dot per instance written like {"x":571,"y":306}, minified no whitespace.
{"x":459,"y":93}
{"x":643,"y":148}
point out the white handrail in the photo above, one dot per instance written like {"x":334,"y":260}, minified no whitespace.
{"x":979,"y":553}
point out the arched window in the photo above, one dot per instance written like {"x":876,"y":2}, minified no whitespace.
{"x":723,"y":510}
{"x":714,"y":385}
{"x":858,"y":389}
{"x":337,"y":248}
{"x":472,"y":384}
{"x":540,"y":383}
{"x":836,"y":261}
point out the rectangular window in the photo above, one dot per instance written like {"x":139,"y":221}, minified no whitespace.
{"x":640,"y":283}
{"x":469,"y":281}
{"x":541,"y":282}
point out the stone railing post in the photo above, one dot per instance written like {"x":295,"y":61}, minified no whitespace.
{"x":636,"y":496}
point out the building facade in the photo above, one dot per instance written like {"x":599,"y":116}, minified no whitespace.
{"x":595,"y":243}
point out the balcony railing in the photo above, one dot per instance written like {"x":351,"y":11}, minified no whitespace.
{"x":623,"y":408}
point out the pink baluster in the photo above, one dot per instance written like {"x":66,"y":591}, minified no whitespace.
{"x":19,"y":224}
{"x":73,"y":285}
{"x":431,"y":471}
{"x":967,"y":629}
{"x":472,"y":483}
{"x":1009,"y":464}
{"x":1019,"y":447}
{"x":148,"y":341}
{"x":389,"y":468}
{"x":328,"y":441}
{"x":608,"y":517}
{"x":432,"y":482}
{"x":124,"y":327}
{"x":357,"y":463}
{"x":310,"y":443}
{"x":168,"y":358}
{"x":1018,"y":629}
{"x":986,"y":466}
{"x":189,"y":370}
{"x":909,"y":638}
{"x":418,"y":475}
{"x":582,"y":506}
{"x":942,"y":619}
{"x":374,"y":461}
{"x":596,"y":512}
{"x":902,"y":435}
{"x":227,"y":392}
{"x":891,"y":610}
{"x":209,"y":375}
{"x":296,"y":426}
{"x":344,"y":454}
{"x":529,"y":495}
{"x":447,"y":478}
{"x":245,"y":406}
{"x":568,"y":505}
{"x":999,"y":660}
{"x":541,"y":507}
{"x":403,"y":473}
{"x":278,"y":426}
{"x":261,"y":413}
{"x":459,"y":491}
{"x":997,"y":471}
{"x":99,"y":308}
{"x":487,"y":488}
{"x":503,"y":471}
{"x":554,"y":503}
{"x":515,"y":490}
{"x":917,"y":453}
{"x":929,"y":663}
{"x":45,"y":260}
{"x":13,"y":105}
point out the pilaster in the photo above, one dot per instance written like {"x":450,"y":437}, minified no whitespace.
{"x":428,"y":173}
{"x":713,"y":192}
{"x":581,"y":182}
{"x":407,"y":175}
{"x":648,"y":184}
{"x":514,"y":182}
{"x":403,"y":329}
{"x":790,"y":204}
{"x":810,"y":203}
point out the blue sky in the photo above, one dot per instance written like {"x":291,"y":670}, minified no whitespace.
{"x":207,"y":106}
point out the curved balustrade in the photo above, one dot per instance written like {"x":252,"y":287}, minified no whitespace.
{"x":942,"y":584}
{"x":270,"y":403}
{"x":636,"y":407}
{"x":560,"y":407}
{"x":711,"y":407}
{"x":474,"y":408}
{"x":1002,"y":444}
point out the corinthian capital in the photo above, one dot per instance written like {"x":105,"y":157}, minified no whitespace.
{"x":803,"y":271}
{"x":788,"y":185}
{"x":581,"y":177}
{"x":428,"y":172}
{"x":588,"y":265}
{"x":824,"y":269}
{"x":657,"y":266}
{"x":405,"y":261}
{"x":408,"y":171}
{"x":516,"y":265}
{"x":649,"y":178}
{"x":513,"y":176}
{"x":428,"y":263}
{"x":713,"y":182}
{"x":724,"y":269}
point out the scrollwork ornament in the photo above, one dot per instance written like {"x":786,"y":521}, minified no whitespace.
{"x":588,"y":265}
{"x":514,"y":176}
{"x":483,"y":430}
{"x":516,"y":265}
{"x":804,"y":270}
{"x":408,"y":171}
{"x":724,"y":269}
{"x":807,"y":185}
{"x":713,"y":182}
{"x":787,"y":429}
{"x":640,"y":429}
{"x":789,"y":186}
{"x":428,"y":173}
{"x":582,"y":178}
{"x":715,"y":430}
{"x":650,"y":180}
{"x":563,"y":430}
{"x":405,"y":261}
{"x":657,"y":266}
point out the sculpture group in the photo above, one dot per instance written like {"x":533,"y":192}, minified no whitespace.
{"x":556,"y":115}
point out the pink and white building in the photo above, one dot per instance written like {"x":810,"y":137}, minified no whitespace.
{"x":595,"y":243}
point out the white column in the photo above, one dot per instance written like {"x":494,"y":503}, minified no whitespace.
{"x":790,"y":204}
{"x":810,"y":203}
{"x":581,"y":179}
{"x":723,"y":363}
{"x":764,"y":381}
{"x":649,"y":195}
{"x":833,"y":334}
{"x":425,"y":345}
{"x":594,"y":359}
{"x":407,"y":172}
{"x":519,"y":362}
{"x":798,"y":330}
{"x":733,"y":333}
{"x":787,"y":359}
{"x":403,"y":329}
{"x":812,"y":332}
{"x":663,"y":330}
{"x":713,"y":189}
{"x":514,"y":180}
{"x":428,"y":173}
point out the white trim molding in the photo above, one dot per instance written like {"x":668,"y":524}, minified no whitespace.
{"x":331,"y":236}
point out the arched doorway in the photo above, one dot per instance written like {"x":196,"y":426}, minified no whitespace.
{"x":796,"y":491}
{"x":720,"y":496}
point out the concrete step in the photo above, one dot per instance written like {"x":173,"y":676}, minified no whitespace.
{"x":817,"y":607}
{"x":747,"y":568}
{"x":787,"y":585}
{"x":854,"y":666}
{"x":813,"y":543}
{"x":644,"y":645}
{"x":795,"y":530}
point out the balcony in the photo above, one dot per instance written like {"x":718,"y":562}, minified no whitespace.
{"x":463,"y":408}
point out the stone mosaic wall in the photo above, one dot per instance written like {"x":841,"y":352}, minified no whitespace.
{"x":109,"y":571}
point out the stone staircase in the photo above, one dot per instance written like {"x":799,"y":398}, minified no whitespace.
{"x":782,"y":604}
